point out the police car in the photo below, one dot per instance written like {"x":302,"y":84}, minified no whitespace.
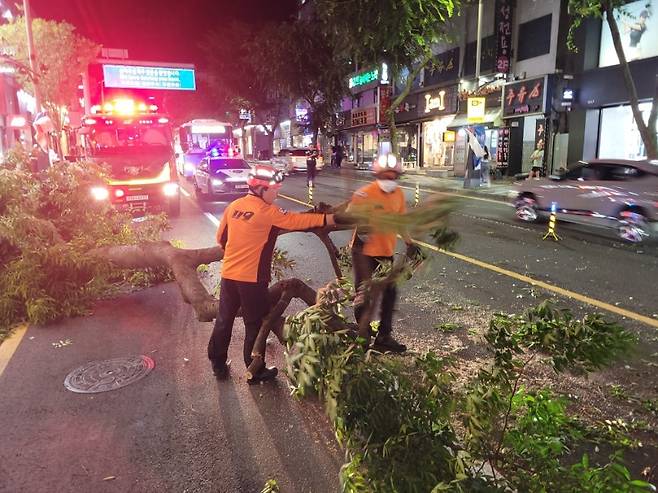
{"x":221,"y":176}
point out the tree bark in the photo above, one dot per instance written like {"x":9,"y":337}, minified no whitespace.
{"x":183,"y":263}
{"x":647,"y":132}
{"x":400,"y":97}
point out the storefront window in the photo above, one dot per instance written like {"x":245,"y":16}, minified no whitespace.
{"x":407,"y":140}
{"x":364,"y":146}
{"x":529,"y":129}
{"x":620,"y":138}
{"x":436,"y":153}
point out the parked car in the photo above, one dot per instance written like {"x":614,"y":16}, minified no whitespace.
{"x":613,"y":193}
{"x":221,"y":176}
{"x":294,"y":160}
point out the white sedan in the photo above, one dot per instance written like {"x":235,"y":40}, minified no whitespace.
{"x":294,"y":160}
{"x":221,"y":176}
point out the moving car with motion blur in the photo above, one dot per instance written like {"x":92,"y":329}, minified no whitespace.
{"x":612,"y":193}
{"x":132,"y":144}
{"x":221,"y":176}
{"x":294,"y":160}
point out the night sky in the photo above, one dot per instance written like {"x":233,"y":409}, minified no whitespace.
{"x":158,"y":30}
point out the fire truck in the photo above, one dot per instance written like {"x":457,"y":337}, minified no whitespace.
{"x":132,"y":143}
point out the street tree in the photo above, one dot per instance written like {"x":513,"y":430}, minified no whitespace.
{"x":236,"y":80}
{"x":400,"y":33}
{"x":306,"y":66}
{"x":62,"y":55}
{"x":582,"y":9}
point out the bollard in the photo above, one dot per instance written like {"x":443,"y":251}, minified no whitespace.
{"x":310,"y":192}
{"x":417,"y":195}
{"x":551,"y":224}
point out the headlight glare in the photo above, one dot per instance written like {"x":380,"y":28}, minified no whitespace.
{"x":100,"y":193}
{"x":170,"y":189}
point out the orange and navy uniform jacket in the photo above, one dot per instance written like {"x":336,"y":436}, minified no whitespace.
{"x":248,"y":232}
{"x":372,"y":197}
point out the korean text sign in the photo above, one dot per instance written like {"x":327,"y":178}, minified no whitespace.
{"x":146,"y":77}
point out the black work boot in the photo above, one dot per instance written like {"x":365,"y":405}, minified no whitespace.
{"x":265,"y":375}
{"x":387,"y":343}
{"x":220,"y":370}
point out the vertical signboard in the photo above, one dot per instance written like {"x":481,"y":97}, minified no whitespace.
{"x":385,"y":93}
{"x":502,"y":150}
{"x":540,"y":133}
{"x":503,"y":33}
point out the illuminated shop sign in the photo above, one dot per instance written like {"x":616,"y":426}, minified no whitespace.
{"x":146,"y":77}
{"x":476,"y":109}
{"x":524,"y":97}
{"x":364,"y":78}
{"x":435,"y":103}
{"x":439,"y":101}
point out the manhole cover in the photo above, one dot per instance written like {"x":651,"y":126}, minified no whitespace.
{"x":111,"y":374}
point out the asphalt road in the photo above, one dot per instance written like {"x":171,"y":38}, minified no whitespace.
{"x":178,"y":429}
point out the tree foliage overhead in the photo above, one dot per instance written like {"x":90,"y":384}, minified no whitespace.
{"x":236,"y":81}
{"x":400,"y":32}
{"x":266,"y":68}
{"x":62,"y":55}
{"x":306,"y":68}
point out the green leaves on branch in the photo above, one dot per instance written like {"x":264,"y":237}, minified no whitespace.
{"x":430,"y":217}
{"x":398,"y":419}
{"x":48,"y":223}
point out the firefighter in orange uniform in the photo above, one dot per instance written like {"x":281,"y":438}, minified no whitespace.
{"x":371,"y":248}
{"x":247,"y":233}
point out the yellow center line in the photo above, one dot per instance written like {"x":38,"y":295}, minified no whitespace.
{"x":533,"y":282}
{"x":293,"y":199}
{"x":544,"y":285}
{"x":9,"y":345}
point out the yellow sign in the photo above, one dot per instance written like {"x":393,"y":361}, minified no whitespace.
{"x":449,"y":136}
{"x":476,"y":109}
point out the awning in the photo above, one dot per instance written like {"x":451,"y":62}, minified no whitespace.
{"x":492,"y":117}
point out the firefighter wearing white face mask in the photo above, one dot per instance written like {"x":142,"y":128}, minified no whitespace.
{"x":371,"y":248}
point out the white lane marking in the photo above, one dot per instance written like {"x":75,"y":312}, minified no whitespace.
{"x":184,"y":192}
{"x":212,"y":218}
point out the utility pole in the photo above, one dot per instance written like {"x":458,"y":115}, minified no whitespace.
{"x":478,"y":50}
{"x":31,"y":53}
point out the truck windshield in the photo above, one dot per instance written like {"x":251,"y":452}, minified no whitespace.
{"x":108,"y":141}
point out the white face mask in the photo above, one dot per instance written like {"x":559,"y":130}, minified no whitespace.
{"x":387,"y":186}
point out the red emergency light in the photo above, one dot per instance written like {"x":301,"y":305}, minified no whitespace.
{"x":124,"y":107}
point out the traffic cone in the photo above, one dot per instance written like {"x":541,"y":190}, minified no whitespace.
{"x":310,"y":192}
{"x":552,"y":221}
{"x":417,"y":195}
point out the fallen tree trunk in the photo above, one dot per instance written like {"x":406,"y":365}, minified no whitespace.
{"x":184,"y":263}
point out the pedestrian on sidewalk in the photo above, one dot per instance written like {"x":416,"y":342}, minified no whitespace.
{"x":537,"y":160}
{"x":247,"y":233}
{"x":339,"y":155}
{"x":372,"y":248}
{"x":311,"y":166}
